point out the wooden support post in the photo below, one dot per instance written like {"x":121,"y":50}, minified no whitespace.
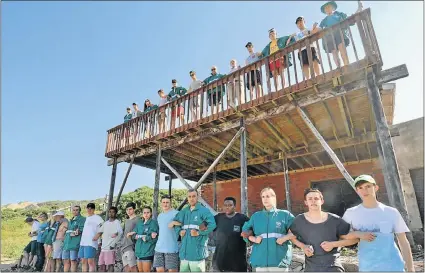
{"x":124,"y":181}
{"x":244,"y":169}
{"x":286,"y":176}
{"x":170,"y":184}
{"x":111,"y":187}
{"x":215,"y":204}
{"x":156,"y":187}
{"x":386,"y":152}
{"x":328,"y":149}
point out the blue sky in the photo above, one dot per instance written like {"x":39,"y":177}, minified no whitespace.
{"x":69,"y":69}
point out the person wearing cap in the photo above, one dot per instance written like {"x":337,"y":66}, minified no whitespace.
{"x":30,"y":251}
{"x":250,"y":76}
{"x":88,"y":244}
{"x":188,"y":222}
{"x":72,"y":240}
{"x":40,"y":241}
{"x":196,"y":101}
{"x":334,"y":17}
{"x":127,"y":243}
{"x":58,"y":238}
{"x":162,"y":114}
{"x":376,"y":225}
{"x":234,"y":85}
{"x":111,"y":232}
{"x":128,"y":116}
{"x":136,"y":112}
{"x":303,"y":56}
{"x":147,"y":107}
{"x":321,"y":247}
{"x":272,"y":248}
{"x":273,"y":46}
{"x":177,"y":110}
{"x":166,"y":255}
{"x":215,"y":94}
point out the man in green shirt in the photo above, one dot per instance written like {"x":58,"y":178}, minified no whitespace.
{"x":175,"y":93}
{"x":217,"y":92}
{"x":72,"y":240}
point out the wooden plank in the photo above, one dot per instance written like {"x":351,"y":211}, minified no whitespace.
{"x":344,"y":116}
{"x":156,"y":186}
{"x":276,"y":134}
{"x":386,"y":76}
{"x":111,"y":187}
{"x":170,"y":185}
{"x":287,"y":189}
{"x":244,"y":177}
{"x":124,"y":181}
{"x":215,"y":204}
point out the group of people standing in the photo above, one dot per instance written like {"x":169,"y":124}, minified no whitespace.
{"x":178,"y":240}
{"x":335,"y":44}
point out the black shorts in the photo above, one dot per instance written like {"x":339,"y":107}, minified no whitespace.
{"x":31,"y":248}
{"x":216,"y":97}
{"x":328,"y":44}
{"x":145,"y":259}
{"x":304,"y":55}
{"x":250,"y":78}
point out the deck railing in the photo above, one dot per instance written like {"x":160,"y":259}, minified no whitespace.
{"x":234,"y":92}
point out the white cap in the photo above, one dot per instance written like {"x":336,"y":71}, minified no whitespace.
{"x":59,"y":213}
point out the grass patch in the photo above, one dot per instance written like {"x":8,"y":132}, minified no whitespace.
{"x":14,"y":237}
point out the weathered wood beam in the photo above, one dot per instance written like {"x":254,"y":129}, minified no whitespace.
{"x":308,"y":161}
{"x":244,"y":170}
{"x":386,"y":76}
{"x":350,"y":120}
{"x":300,"y":132}
{"x":112,"y":187}
{"x":334,"y":129}
{"x":344,"y":116}
{"x":215,"y":204}
{"x":276,"y":134}
{"x":283,"y":136}
{"x":208,"y":151}
{"x":355,"y":152}
{"x":124,"y":182}
{"x":156,"y":186}
{"x":318,"y":159}
{"x":231,"y":151}
{"x":342,"y":155}
{"x":297,"y":162}
{"x":190,"y":156}
{"x":287,"y":188}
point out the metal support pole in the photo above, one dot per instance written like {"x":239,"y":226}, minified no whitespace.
{"x":244,"y":170}
{"x":170,"y":184}
{"x":286,"y":175}
{"x":112,"y":187}
{"x":215,"y":205}
{"x":124,"y":181}
{"x":156,"y":187}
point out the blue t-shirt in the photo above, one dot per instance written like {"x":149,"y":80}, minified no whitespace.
{"x":40,"y":231}
{"x":167,"y":238}
{"x":332,"y":19}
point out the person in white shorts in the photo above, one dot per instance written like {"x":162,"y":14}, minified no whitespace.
{"x":58,"y":238}
{"x":127,"y":244}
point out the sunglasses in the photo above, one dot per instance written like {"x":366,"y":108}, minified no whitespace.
{"x":213,"y":69}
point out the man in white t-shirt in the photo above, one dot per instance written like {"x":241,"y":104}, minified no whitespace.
{"x":30,"y":251}
{"x":111,"y":232}
{"x":234,"y":86}
{"x":375,"y":224}
{"x":196,"y":101}
{"x":89,"y":244}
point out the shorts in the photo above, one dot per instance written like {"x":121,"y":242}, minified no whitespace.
{"x":215,"y":98}
{"x":57,"y":249}
{"x":271,"y":269}
{"x":278,"y":64}
{"x":145,"y":259}
{"x":129,"y":258}
{"x":328,"y":44}
{"x":87,"y":252}
{"x":192,"y":266}
{"x":166,"y":260}
{"x":107,"y":257}
{"x":252,"y":82}
{"x":304,"y":55}
{"x":31,"y":247}
{"x":180,"y":111}
{"x":70,"y":255}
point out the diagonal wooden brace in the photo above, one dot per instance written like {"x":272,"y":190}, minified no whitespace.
{"x":188,"y":185}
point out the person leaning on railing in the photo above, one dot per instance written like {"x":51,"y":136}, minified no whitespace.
{"x":175,"y":93}
{"x":217,"y":92}
{"x":147,"y":107}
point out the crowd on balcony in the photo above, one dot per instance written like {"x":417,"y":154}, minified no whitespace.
{"x":334,"y":43}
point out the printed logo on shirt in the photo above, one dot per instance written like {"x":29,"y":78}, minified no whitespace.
{"x":195,"y":218}
{"x":236,"y":228}
{"x":278,"y":224}
{"x":146,"y":229}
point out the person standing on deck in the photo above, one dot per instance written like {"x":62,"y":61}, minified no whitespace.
{"x":215,"y":94}
{"x":194,"y":248}
{"x":177,"y":110}
{"x":166,"y":250}
{"x":234,"y":85}
{"x":321,"y":247}
{"x":376,"y":225}
{"x":230,"y":250}
{"x":89,"y":244}
{"x":196,"y":101}
{"x":162,"y":112}
{"x":127,"y":243}
{"x":272,"y":249}
{"x":250,"y":76}
{"x":72,"y":240}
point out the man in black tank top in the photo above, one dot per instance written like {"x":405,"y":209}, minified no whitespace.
{"x":230,"y":251}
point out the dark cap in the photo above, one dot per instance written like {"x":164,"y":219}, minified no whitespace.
{"x":160,"y":90}
{"x":272,"y":30}
{"x":128,"y":108}
{"x":192,"y":72}
{"x":299,"y":18}
{"x":134,"y":103}
{"x":29,"y":220}
{"x":91,"y":206}
{"x":248,"y":44}
{"x":173,"y":81}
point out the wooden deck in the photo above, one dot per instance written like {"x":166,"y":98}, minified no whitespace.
{"x":336,"y":101}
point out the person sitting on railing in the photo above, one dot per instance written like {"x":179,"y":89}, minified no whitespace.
{"x":276,"y":65}
{"x":304,"y":32}
{"x":334,"y":17}
{"x":234,"y":85}
{"x":217,"y":92}
{"x":162,"y":115}
{"x":175,"y":93}
{"x":147,"y":107}
{"x":250,"y":76}
{"x":194,"y":85}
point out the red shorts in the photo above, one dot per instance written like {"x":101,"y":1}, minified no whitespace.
{"x":275,"y":65}
{"x":180,"y":111}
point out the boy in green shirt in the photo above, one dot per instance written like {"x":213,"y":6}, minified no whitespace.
{"x":217,"y":92}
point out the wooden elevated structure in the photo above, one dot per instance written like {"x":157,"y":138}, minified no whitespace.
{"x":300,"y":123}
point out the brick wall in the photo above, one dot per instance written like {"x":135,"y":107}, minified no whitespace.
{"x":298,"y":183}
